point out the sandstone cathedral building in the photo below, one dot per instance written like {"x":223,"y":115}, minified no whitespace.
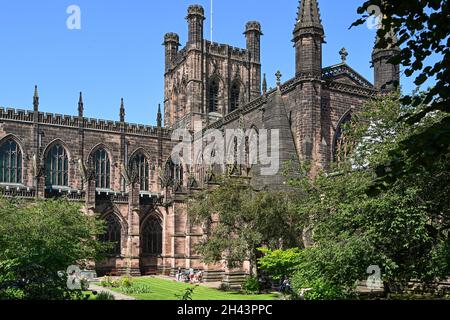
{"x":123,"y":173}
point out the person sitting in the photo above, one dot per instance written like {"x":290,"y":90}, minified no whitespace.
{"x":200,"y":276}
{"x":283,"y":285}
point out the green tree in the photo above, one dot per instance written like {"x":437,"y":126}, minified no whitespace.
{"x":404,"y":230}
{"x":39,"y":240}
{"x":279,"y":263}
{"x":238,"y":219}
{"x":423,"y":29}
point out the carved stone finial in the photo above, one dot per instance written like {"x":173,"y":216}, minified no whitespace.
{"x":159,"y":116}
{"x":80,"y":106}
{"x":122,"y":111}
{"x":344,"y":55}
{"x":36,"y":99}
{"x":264,"y":84}
{"x":278,"y":75}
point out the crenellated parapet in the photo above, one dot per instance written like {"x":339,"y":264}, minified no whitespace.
{"x":52,"y":119}
{"x":225,"y":50}
{"x":16,"y":114}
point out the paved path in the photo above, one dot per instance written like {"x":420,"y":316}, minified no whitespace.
{"x":117,"y":296}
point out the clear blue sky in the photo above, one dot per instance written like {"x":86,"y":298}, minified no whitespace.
{"x":118,"y":52}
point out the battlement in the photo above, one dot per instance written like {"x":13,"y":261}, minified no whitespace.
{"x":19,"y":114}
{"x":10,"y":114}
{"x":225,"y":50}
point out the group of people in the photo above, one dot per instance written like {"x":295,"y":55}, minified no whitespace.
{"x":189,"y":276}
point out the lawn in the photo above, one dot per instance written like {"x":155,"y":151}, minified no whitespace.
{"x":167,"y":290}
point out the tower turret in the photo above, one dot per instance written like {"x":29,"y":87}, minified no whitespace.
{"x":195,"y":18}
{"x":308,"y":38}
{"x":171,"y":42}
{"x":387,"y":75}
{"x":253,"y":34}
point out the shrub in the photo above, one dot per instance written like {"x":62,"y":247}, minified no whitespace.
{"x":224,"y":287}
{"x":250,"y":285}
{"x":126,"y":282}
{"x":136,"y":289}
{"x":319,"y":289}
{"x":108,"y":282}
{"x":187,"y":295}
{"x":279,"y":263}
{"x":104,"y":296}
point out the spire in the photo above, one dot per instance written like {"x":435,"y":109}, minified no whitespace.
{"x":36,"y":99}
{"x":159,"y":116}
{"x":122,"y":111}
{"x":308,"y":15}
{"x":80,"y":106}
{"x":264,"y":84}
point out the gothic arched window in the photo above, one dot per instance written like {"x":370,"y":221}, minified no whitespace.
{"x":140,"y":163}
{"x":102,"y":169}
{"x":214,"y":95}
{"x":234,"y":96}
{"x":112,"y":234}
{"x":57,"y":166}
{"x":175,"y":171}
{"x":152,"y":237}
{"x":10,"y":162}
{"x":342,"y":144}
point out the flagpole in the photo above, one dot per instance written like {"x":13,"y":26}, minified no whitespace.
{"x":212,"y":20}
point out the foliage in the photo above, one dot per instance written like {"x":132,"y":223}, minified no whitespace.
{"x":238,"y":219}
{"x":40,"y":239}
{"x":423,"y":27}
{"x":136,"y":289}
{"x":109,"y":282}
{"x":279,"y":263}
{"x":404,"y":230}
{"x":224,"y":287}
{"x":251,"y":285}
{"x":187,"y":295}
{"x":105,"y":296}
{"x":126,"y":282}
{"x":318,"y":289}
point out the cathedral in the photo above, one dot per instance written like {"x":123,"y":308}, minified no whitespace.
{"x":123,"y":173}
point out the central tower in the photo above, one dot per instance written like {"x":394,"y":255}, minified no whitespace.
{"x":205,"y":80}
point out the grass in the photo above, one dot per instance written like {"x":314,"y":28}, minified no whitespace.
{"x":163,"y":289}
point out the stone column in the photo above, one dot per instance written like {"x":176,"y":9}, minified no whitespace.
{"x":132,"y":257}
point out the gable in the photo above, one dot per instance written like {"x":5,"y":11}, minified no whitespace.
{"x":342,"y":73}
